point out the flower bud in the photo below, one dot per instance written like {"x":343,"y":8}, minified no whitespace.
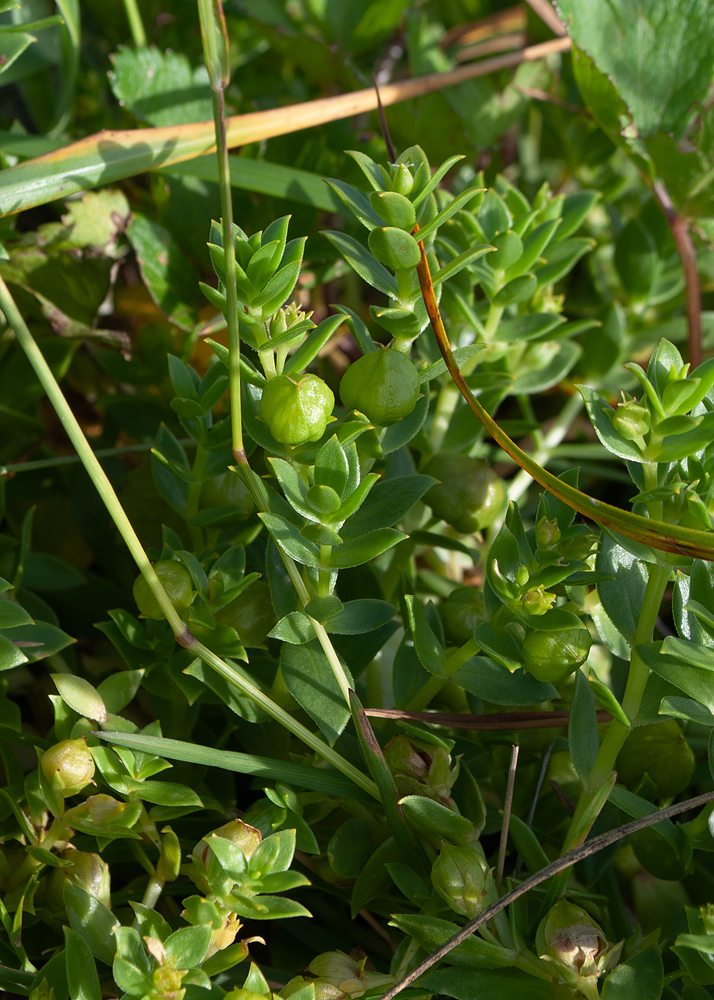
{"x":351,"y":978}
{"x":570,"y":938}
{"x":421,"y":772}
{"x":403,"y":759}
{"x":224,"y":936}
{"x":68,"y":766}
{"x":463,"y":879}
{"x":170,"y":858}
{"x":537,"y":601}
{"x":239,"y":833}
{"x":547,"y":534}
{"x":88,"y":871}
{"x":631,"y":420}
{"x":166,"y":982}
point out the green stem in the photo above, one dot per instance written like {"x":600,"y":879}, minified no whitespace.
{"x":193,"y":496}
{"x":154,"y":888}
{"x":89,"y":459}
{"x":224,"y":187}
{"x":435,"y":683}
{"x":51,"y":463}
{"x":136,"y":25}
{"x":116,"y":511}
{"x":636,"y":678}
{"x":285,"y":719}
{"x":492,"y":320}
{"x":260,"y":496}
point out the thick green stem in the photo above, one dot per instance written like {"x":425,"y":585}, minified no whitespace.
{"x":260,"y":495}
{"x":636,"y":678}
{"x":658,"y":577}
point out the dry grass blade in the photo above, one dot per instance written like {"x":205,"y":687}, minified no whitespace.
{"x":109,"y":156}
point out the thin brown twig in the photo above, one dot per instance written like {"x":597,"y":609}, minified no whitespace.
{"x":554,"y":868}
{"x":679,"y":226}
{"x":507,"y":805}
{"x":510,"y":19}
{"x":557,"y":719}
{"x":499,"y":43}
{"x":377,"y":927}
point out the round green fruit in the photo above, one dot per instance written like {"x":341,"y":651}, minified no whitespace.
{"x":551,"y":656}
{"x":68,"y":766}
{"x":661,"y":751}
{"x":469,"y":496}
{"x":461,"y":612}
{"x":384,"y":385}
{"x":251,"y":614}
{"x":296,"y":411}
{"x":177,"y":583}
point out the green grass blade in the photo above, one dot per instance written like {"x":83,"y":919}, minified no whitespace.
{"x":316,"y":779}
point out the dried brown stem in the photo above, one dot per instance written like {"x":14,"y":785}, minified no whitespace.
{"x":679,"y":226}
{"x":498,"y":721}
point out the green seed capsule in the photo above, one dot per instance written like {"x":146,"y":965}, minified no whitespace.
{"x":469,"y":496}
{"x":384,"y":385}
{"x":463,"y":879}
{"x":552,"y":656}
{"x":296,"y":412}
{"x":68,"y":766}
{"x":177,"y":583}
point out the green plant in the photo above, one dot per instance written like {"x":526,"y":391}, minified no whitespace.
{"x":347,"y":595}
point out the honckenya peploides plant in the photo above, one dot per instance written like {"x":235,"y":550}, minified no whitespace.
{"x":392,"y":534}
